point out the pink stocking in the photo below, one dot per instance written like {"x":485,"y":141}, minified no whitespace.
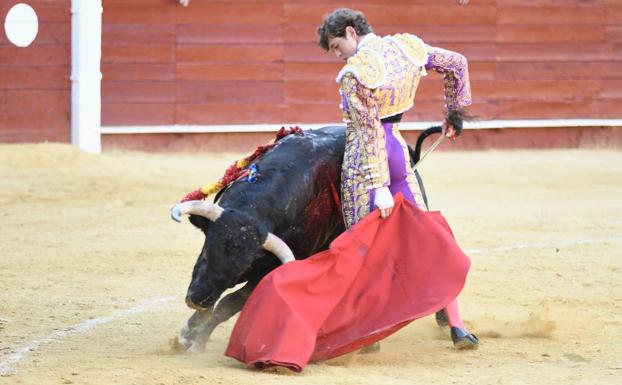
{"x":453,"y":315}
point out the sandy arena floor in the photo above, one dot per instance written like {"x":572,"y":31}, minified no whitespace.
{"x":93,"y":272}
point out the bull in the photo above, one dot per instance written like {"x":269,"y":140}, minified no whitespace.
{"x":292,"y":209}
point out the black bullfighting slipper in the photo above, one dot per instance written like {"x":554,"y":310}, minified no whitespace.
{"x":441,"y":318}
{"x":463,"y":339}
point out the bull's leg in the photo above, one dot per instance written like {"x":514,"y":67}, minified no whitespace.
{"x":186,"y":335}
{"x":226,"y":308}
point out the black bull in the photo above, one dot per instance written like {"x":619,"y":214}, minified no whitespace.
{"x":295,"y":196}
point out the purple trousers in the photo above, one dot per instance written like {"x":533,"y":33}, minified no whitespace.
{"x":397,"y":167}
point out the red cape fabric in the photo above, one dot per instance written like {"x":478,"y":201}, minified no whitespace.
{"x":375,"y":278}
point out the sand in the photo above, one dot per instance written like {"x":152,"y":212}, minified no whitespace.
{"x":93,"y":272}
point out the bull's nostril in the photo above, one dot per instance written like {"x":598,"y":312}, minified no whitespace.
{"x":189,"y":303}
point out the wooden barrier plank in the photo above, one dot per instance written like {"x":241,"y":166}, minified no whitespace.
{"x":554,"y":33}
{"x":34,"y":109}
{"x":305,"y":71}
{"x":131,"y":12}
{"x":57,"y":133}
{"x":558,"y":109}
{"x":232,"y":71}
{"x":312,"y":92}
{"x":557,"y":70}
{"x":225,"y":92}
{"x":230,"y":53}
{"x":539,"y":89}
{"x":138,"y":33}
{"x":300,"y":113}
{"x":138,"y":92}
{"x":552,"y":15}
{"x":233,"y":113}
{"x":613,"y":33}
{"x":613,"y":14}
{"x":137,"y":53}
{"x":232,"y":33}
{"x":307,"y":52}
{"x":35,"y":78}
{"x":264,"y":13}
{"x":611,"y":89}
{"x":404,"y":14}
{"x":549,"y":3}
{"x":138,"y":71}
{"x":453,"y":33}
{"x":520,"y":52}
{"x":121,"y":114}
{"x":45,"y":55}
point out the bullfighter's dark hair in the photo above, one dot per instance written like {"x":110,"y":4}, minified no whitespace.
{"x":335,"y":25}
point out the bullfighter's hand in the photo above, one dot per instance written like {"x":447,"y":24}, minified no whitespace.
{"x":384,"y":201}
{"x":449,"y":130}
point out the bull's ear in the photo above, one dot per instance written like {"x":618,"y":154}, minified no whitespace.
{"x":211,"y":211}
{"x":276,"y":246}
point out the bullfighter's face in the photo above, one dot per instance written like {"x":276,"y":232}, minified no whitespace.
{"x":232,"y":243}
{"x":345,"y":46}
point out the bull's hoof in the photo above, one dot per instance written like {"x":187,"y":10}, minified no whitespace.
{"x":190,"y":341}
{"x":463,"y":340}
{"x":196,"y":347}
{"x":191,"y":346}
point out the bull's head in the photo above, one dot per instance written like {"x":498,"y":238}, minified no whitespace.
{"x":233,"y":241}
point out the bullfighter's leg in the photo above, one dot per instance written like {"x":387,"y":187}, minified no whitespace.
{"x":398,"y":164}
{"x":461,"y":338}
{"x":226,"y":308}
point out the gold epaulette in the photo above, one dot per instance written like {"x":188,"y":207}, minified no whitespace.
{"x":413,"y":47}
{"x":367,"y":66}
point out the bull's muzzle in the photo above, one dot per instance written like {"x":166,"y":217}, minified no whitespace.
{"x":194,"y":306}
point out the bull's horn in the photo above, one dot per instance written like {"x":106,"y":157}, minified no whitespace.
{"x":208,"y":210}
{"x":276,"y":246}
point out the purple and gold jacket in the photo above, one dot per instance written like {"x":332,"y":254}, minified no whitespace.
{"x":380,"y":80}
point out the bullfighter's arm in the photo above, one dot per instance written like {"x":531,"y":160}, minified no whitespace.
{"x":455,"y":72}
{"x":363,"y":111}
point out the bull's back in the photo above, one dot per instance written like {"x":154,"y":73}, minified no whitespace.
{"x":296,"y":193}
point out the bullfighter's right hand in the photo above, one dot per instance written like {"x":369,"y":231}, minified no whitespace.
{"x":384,"y":201}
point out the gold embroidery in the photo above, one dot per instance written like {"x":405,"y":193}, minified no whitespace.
{"x":365,"y":164}
{"x":413,"y":47}
{"x":381,"y":64}
{"x":381,"y":80}
{"x":367,"y":67}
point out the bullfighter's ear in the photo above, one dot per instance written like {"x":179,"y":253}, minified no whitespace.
{"x":276,"y":246}
{"x":211,"y":211}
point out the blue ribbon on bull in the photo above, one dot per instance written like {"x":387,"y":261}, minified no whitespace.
{"x":252,"y":173}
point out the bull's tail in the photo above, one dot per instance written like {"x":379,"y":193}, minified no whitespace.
{"x":415,"y":156}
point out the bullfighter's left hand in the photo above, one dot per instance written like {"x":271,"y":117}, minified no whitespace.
{"x":384,"y":201}
{"x":449,"y":130}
